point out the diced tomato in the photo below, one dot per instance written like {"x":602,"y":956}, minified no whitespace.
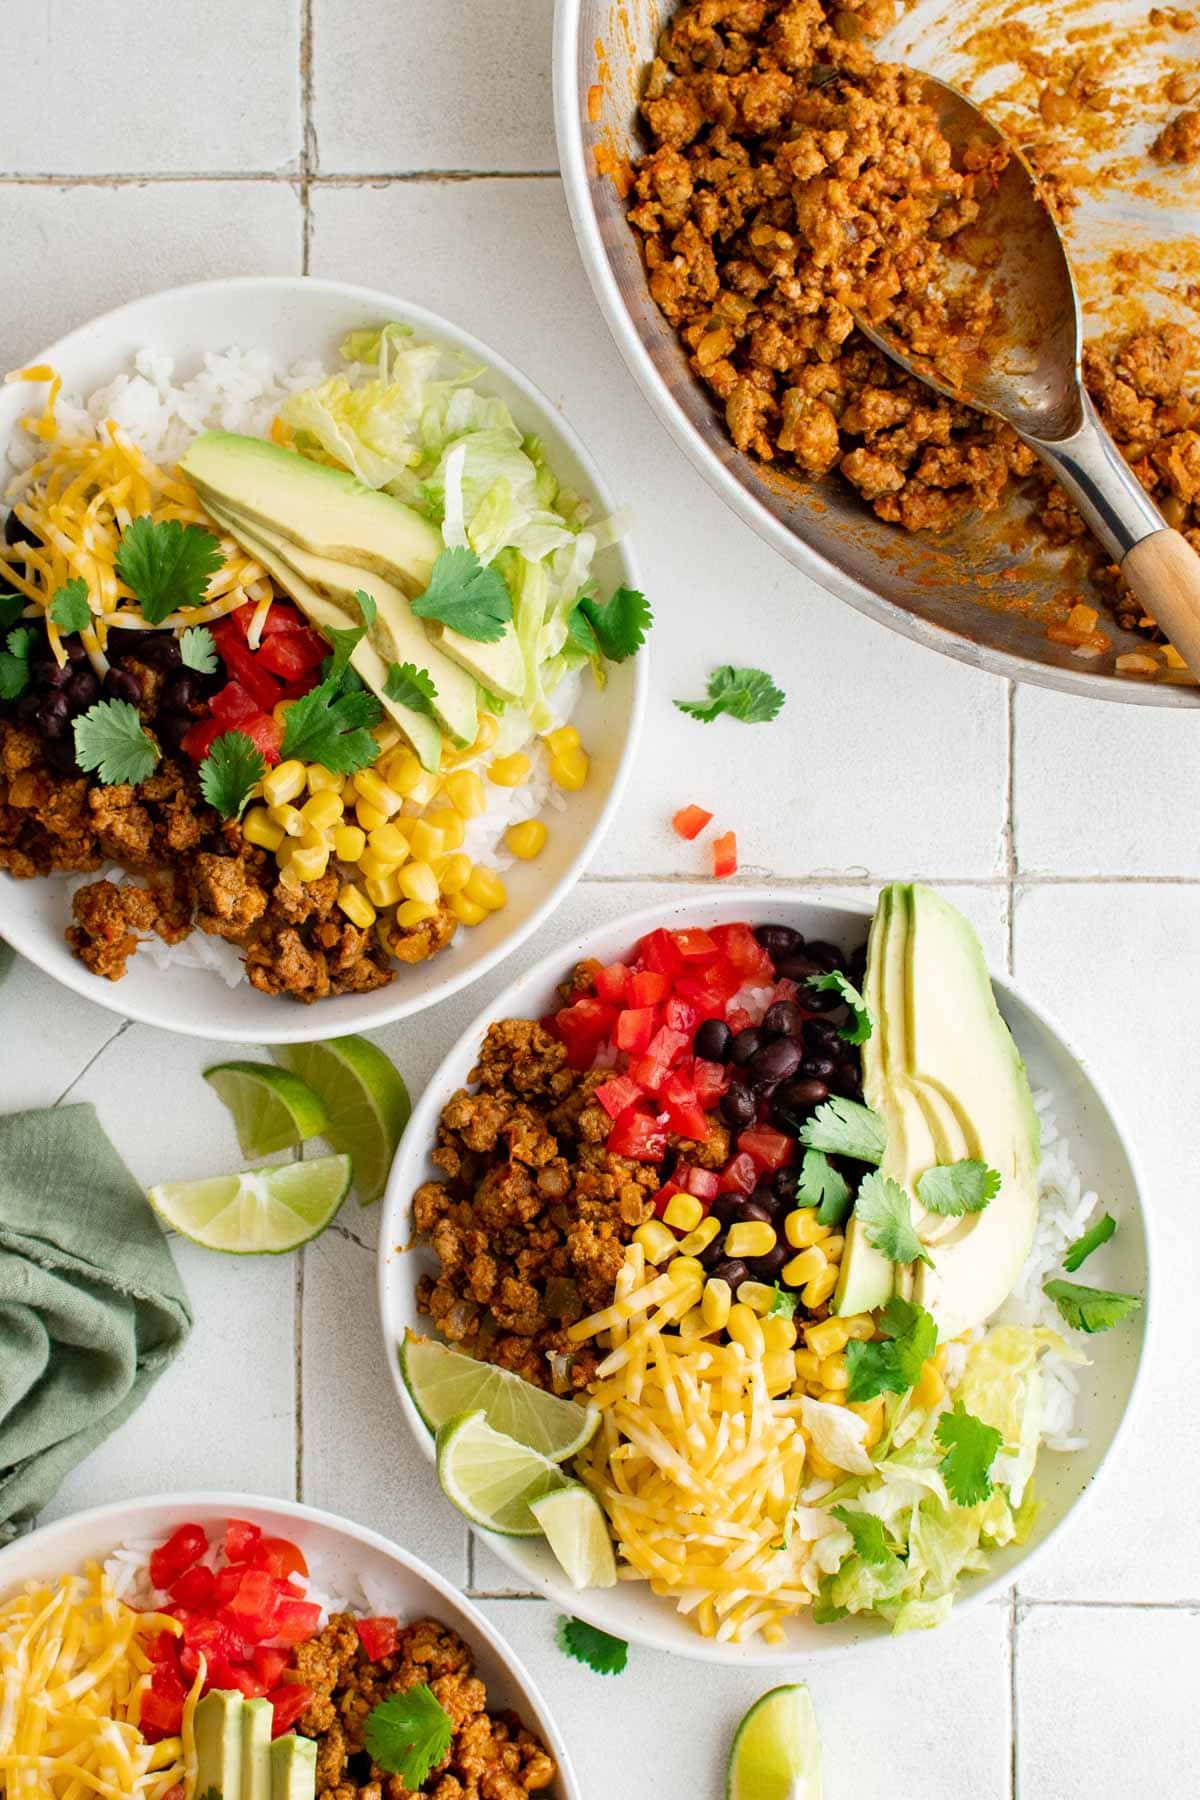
{"x":195,"y":1587}
{"x":161,"y":1716}
{"x":583,"y":1027}
{"x":292,"y":654}
{"x":711,"y":987}
{"x":738,"y":944}
{"x":695,"y":946}
{"x":232,"y":625}
{"x":255,"y":1605}
{"x":618,"y":1092}
{"x":231,"y":704}
{"x":684,"y":1112}
{"x":295,"y":1621}
{"x":681,"y":1015}
{"x":648,"y":987}
{"x":690,"y":821}
{"x":240,"y":1539}
{"x":638,"y":1135}
{"x":162,"y":1647}
{"x":266,"y":734}
{"x":378,"y":1637}
{"x":739,"y":1176}
{"x":228,"y":1581}
{"x":281,"y":618}
{"x":186,"y":1545}
{"x":232,"y":1675}
{"x":725,"y":856}
{"x":657,"y":951}
{"x":704,"y":1184}
{"x":612,"y":983}
{"x":269,"y":1663}
{"x":784,"y":989}
{"x":246,"y":666}
{"x":666,"y":1044}
{"x":199,"y":738}
{"x":737,"y":1019}
{"x":769,"y":1148}
{"x":662,"y":1052}
{"x":710,"y":1081}
{"x":635,"y":1027}
{"x":665,"y":1195}
{"x":288,"y":1701}
{"x":280,"y":1557}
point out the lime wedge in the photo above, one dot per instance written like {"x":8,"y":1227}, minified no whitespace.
{"x":443,"y":1383}
{"x":574,"y":1525}
{"x":272,"y":1109}
{"x":776,"y":1751}
{"x":261,"y":1212}
{"x":365,"y":1098}
{"x":491,"y":1478}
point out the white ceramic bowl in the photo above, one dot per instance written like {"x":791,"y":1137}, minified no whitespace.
{"x":1105,"y":1162}
{"x":345,"y":1551}
{"x":298,"y":319}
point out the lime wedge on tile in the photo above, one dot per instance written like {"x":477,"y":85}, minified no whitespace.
{"x":443,"y":1383}
{"x":776,"y":1751}
{"x":365,"y":1098}
{"x":576,"y":1529}
{"x":491,"y":1478}
{"x":259,"y":1212}
{"x":272,"y":1109}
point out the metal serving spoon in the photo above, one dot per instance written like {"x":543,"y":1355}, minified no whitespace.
{"x":1032,"y":380}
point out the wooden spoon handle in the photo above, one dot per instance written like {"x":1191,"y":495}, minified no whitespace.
{"x":1164,"y":572}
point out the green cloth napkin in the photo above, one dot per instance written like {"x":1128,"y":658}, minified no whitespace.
{"x":91,"y":1306}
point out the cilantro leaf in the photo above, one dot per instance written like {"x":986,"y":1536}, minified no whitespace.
{"x":412,"y":687}
{"x":885,"y":1212}
{"x":11,"y":608}
{"x":14,"y":663}
{"x":846,"y":1128}
{"x":861,"y":1023}
{"x":588,"y":1644}
{"x":893,"y":1366}
{"x":783,"y":1304}
{"x":69,"y":608}
{"x":332,"y":728}
{"x":466,"y":595}
{"x":198,"y":650}
{"x":970,"y":1448}
{"x":366,"y":606}
{"x":110,"y":739}
{"x":1081,"y":1249}
{"x":344,"y":642}
{"x":821,"y":1185}
{"x":870,"y":1539}
{"x":746,"y":694}
{"x":615,"y":629}
{"x":408,"y":1734}
{"x":233,"y":765}
{"x":166,"y":566}
{"x":1088,"y":1308}
{"x":952,"y":1189}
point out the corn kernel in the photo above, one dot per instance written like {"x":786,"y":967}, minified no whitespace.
{"x":828,"y":1337}
{"x":831,"y":1396}
{"x":510,"y":771}
{"x":355,"y":905}
{"x":418,"y":882}
{"x":466,"y":911}
{"x":403,"y":771}
{"x":750,"y":1237}
{"x":872,"y":1412}
{"x":716,"y":1302}
{"x":390,"y":843}
{"x":779,"y":1334}
{"x":426,"y":840}
{"x":453,"y":872}
{"x":288,"y":875}
{"x":803,"y":1229}
{"x":807,"y":1363}
{"x":280,"y":711}
{"x":376,"y":792}
{"x":745,"y":1329}
{"x":697,"y":1241}
{"x":258,"y":827}
{"x":861,"y":1325}
{"x":465,"y":792}
{"x":375,"y":867}
{"x":309,"y":864}
{"x":559,"y":742}
{"x":526,"y":840}
{"x":655,"y":1239}
{"x":570,"y":770}
{"x":322,"y":811}
{"x":930,"y":1388}
{"x":414,"y":912}
{"x":349,"y":842}
{"x":692,"y":1325}
{"x":322,"y":780}
{"x":834,"y":1373}
{"x":833,"y":1246}
{"x":384,"y":890}
{"x":778,"y":1372}
{"x":757,"y":1296}
{"x":369,"y":817}
{"x":816,"y":1292}
{"x":821,"y":1467}
{"x":313,"y":840}
{"x":485,"y":887}
{"x":386,"y":735}
{"x":286,"y":851}
{"x":289,"y":818}
{"x":283,"y":782}
{"x":684,"y":1269}
{"x":684,"y":1212}
{"x":451,"y":825}
{"x":802,"y":1268}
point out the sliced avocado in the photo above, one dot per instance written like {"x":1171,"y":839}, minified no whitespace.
{"x":421,"y":731}
{"x":257,"y":1719}
{"x":867,"y":1279}
{"x":293,"y":1768}
{"x":218,"y":1728}
{"x":323,"y":510}
{"x":499,"y":666}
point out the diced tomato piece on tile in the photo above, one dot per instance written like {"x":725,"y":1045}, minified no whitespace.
{"x":690,"y":821}
{"x":725,"y":855}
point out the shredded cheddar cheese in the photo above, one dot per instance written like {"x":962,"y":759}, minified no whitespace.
{"x":73,"y":1669}
{"x":78,"y":498}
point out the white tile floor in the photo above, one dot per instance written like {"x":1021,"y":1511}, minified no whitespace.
{"x":169,"y":143}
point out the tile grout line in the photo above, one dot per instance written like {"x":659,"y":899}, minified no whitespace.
{"x":1014,"y":1625}
{"x":308,"y":137}
{"x":1010,"y":823}
{"x":298,"y":1343}
{"x":277,"y":177}
{"x":94,"y":1058}
{"x":857,"y":878}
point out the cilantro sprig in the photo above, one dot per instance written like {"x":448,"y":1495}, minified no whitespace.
{"x":69,"y":608}
{"x":870,"y":1539}
{"x":893,"y":1365}
{"x":951,"y":1189}
{"x":885,"y":1212}
{"x":332,"y":727}
{"x":166,"y":566}
{"x":11,"y":608}
{"x":843,"y":1127}
{"x":861,"y":1024}
{"x":822,"y":1186}
{"x":111,"y":739}
{"x":1090,"y":1309}
{"x":615,"y":629}
{"x":1078,"y":1252}
{"x":230,"y":770}
{"x":412,"y":687}
{"x":588,"y":1644}
{"x":970,"y":1449}
{"x":746,"y":694}
{"x":466,"y":595}
{"x":14,"y":662}
{"x":409,"y":1734}
{"x":198,"y":650}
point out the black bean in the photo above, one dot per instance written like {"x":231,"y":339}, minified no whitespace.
{"x":768,"y":1198}
{"x":784,"y":1183}
{"x":820,"y":1036}
{"x":847,"y":1080}
{"x":856,"y":966}
{"x":172,"y":728}
{"x":60,"y":754}
{"x":712,"y":1041}
{"x":120,"y":642}
{"x":53,"y":716}
{"x":83,"y":689}
{"x":28,"y":708}
{"x":753,"y":1210}
{"x":17,"y":532}
{"x":180,"y":690}
{"x":121,"y":684}
{"x":774,"y":1063}
{"x":779,"y":940}
{"x":727,"y":1208}
{"x":733,"y":1270}
{"x":745,"y":1044}
{"x":799,"y":1097}
{"x":74,"y":649}
{"x":799,"y":968}
{"x":828,"y":955}
{"x":159,"y":648}
{"x":784,"y":1019}
{"x":737,"y":1105}
{"x":712,"y":1255}
{"x":48,"y":673}
{"x":766,"y":1268}
{"x":818,"y":1068}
